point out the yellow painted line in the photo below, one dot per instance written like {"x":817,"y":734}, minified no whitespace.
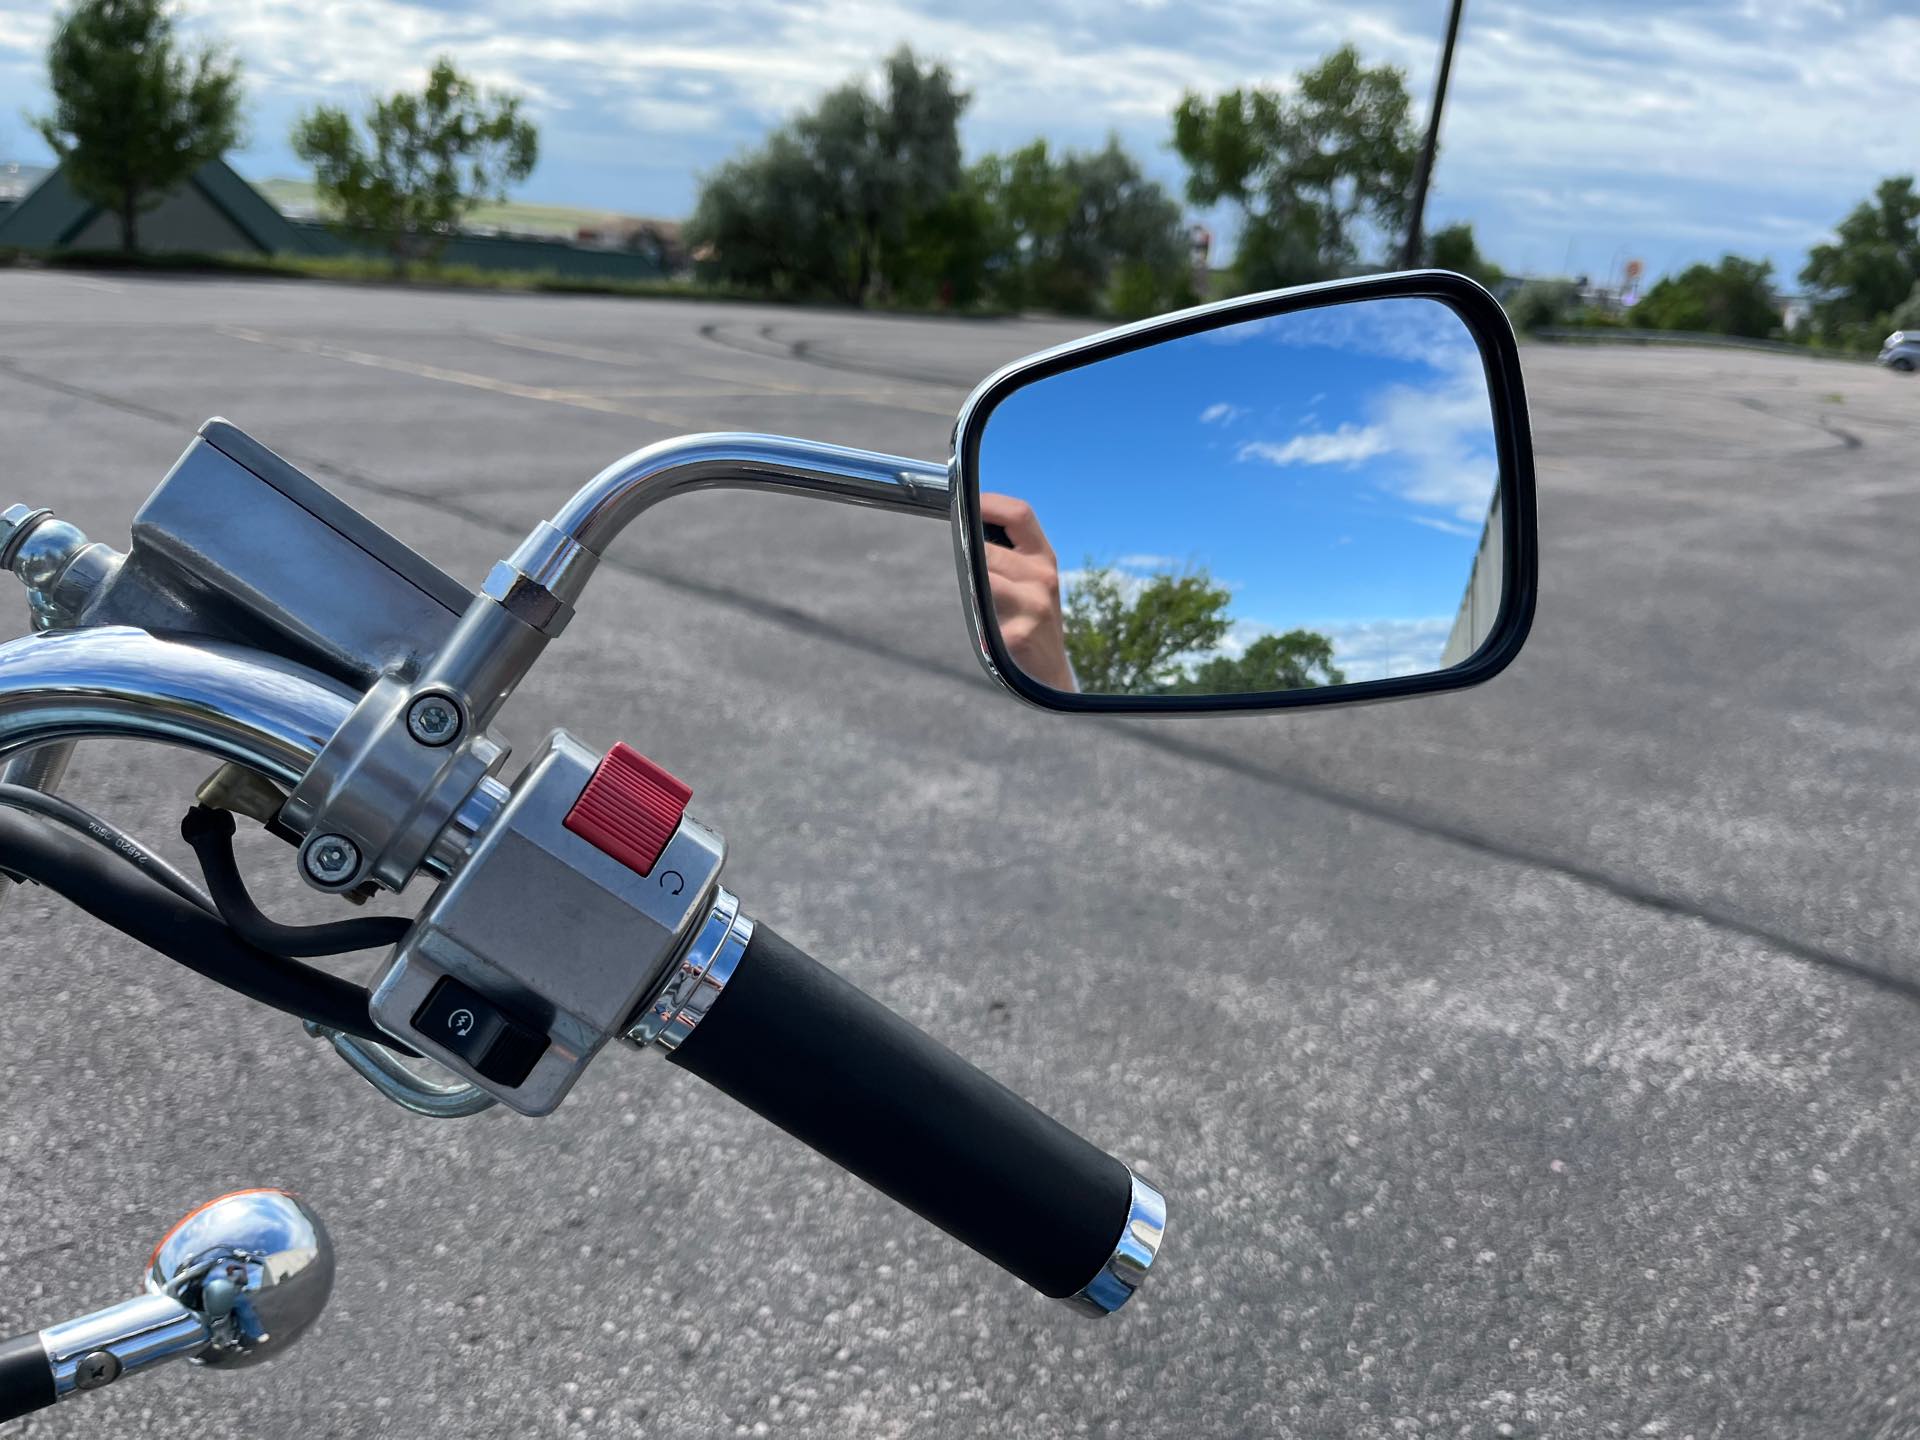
{"x":579,"y":400}
{"x":630,"y":361}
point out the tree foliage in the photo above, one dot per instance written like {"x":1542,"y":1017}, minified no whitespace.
{"x":1080,"y":232}
{"x":1734,"y":297}
{"x":1127,"y":636}
{"x":1317,"y":173}
{"x":1906,"y":315}
{"x":1870,"y":266}
{"x":135,"y":113}
{"x":1296,"y":660}
{"x":425,"y":161}
{"x":1452,"y":247}
{"x":1161,"y":634}
{"x":843,"y":201}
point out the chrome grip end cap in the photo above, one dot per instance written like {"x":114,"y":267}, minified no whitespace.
{"x":1132,"y":1255}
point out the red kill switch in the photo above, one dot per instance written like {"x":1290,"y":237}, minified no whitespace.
{"x":630,"y":808}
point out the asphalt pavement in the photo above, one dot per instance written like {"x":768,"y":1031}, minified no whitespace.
{"x":1532,"y":1061}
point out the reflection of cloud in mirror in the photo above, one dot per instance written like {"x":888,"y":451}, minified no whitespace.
{"x":1441,"y":436}
{"x":1423,"y":331}
{"x":1348,"y":445}
{"x":1450,"y":527}
{"x":1129,"y":583}
{"x":1221,"y":413}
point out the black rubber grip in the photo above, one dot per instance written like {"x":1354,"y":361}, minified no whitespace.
{"x":26,"y":1379}
{"x":839,"y":1071}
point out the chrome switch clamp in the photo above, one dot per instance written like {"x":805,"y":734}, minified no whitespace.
{"x":695,"y":980}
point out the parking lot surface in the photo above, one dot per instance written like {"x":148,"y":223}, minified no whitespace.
{"x":1537,"y":1060}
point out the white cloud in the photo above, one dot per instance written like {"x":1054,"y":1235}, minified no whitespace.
{"x":1573,"y":137}
{"x":1363,"y":649}
{"x":1221,"y":413}
{"x":1442,"y":437}
{"x":1376,"y":649}
{"x":1450,"y":527}
{"x":1348,"y":445}
{"x":1433,"y":443}
{"x":24,"y":34}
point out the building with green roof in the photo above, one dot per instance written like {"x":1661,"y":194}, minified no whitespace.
{"x":217,"y":213}
{"x":214,"y":213}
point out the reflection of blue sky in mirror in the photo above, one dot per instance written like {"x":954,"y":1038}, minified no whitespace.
{"x":1332,"y":467}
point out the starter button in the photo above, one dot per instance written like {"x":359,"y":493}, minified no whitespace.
{"x":461,"y":1021}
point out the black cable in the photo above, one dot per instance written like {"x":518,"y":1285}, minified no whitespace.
{"x":132,"y":900}
{"x":210,"y":833}
{"x":84,"y":822}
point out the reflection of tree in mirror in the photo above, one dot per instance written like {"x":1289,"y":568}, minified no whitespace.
{"x":1161,"y":634}
{"x":1297,"y":660}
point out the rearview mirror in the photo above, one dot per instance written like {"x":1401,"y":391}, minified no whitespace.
{"x":1308,"y":497}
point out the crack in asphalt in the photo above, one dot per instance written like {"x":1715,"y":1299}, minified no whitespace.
{"x":1136,"y":732}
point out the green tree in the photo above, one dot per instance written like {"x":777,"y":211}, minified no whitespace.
{"x":1452,"y":247}
{"x":946,"y":254}
{"x":761,"y":224}
{"x":1870,"y":266}
{"x":1734,"y":297}
{"x":135,"y":113}
{"x":1160,"y":635}
{"x":1133,"y":637}
{"x":1906,"y":315}
{"x":1315,"y":173}
{"x":1082,"y":231}
{"x":425,"y":162}
{"x":842,"y":200}
{"x":1297,"y":660}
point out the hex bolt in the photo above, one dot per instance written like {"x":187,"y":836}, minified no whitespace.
{"x":433,"y":719}
{"x":332,"y":859}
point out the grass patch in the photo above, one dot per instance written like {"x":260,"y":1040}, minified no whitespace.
{"x":372,"y":270}
{"x":518,"y":217}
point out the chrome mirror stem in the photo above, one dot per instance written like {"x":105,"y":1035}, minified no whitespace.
{"x":529,"y":597}
{"x":232,"y":1285}
{"x":97,"y":1349}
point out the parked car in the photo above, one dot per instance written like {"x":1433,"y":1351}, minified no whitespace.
{"x":1902,"y":351}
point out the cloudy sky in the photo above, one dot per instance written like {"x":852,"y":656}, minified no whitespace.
{"x":1576,"y":137}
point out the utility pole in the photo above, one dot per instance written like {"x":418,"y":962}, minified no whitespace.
{"x":1410,"y":258}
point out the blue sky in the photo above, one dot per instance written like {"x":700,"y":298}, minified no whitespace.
{"x":1333,"y":468}
{"x":1576,"y":137}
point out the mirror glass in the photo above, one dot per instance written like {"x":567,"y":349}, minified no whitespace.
{"x":1308,"y":499}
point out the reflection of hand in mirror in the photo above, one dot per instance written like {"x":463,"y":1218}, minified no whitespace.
{"x":1024,"y":578}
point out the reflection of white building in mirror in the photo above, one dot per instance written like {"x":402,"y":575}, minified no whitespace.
{"x":1481,"y":604}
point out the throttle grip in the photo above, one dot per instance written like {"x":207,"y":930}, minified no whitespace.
{"x":840,"y":1072}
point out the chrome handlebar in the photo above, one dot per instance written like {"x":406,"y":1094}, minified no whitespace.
{"x":239,"y":704}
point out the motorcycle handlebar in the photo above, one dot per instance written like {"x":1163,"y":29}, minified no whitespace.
{"x":840,"y":1072}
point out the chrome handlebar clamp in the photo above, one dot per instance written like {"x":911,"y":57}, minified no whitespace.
{"x":388,"y":788}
